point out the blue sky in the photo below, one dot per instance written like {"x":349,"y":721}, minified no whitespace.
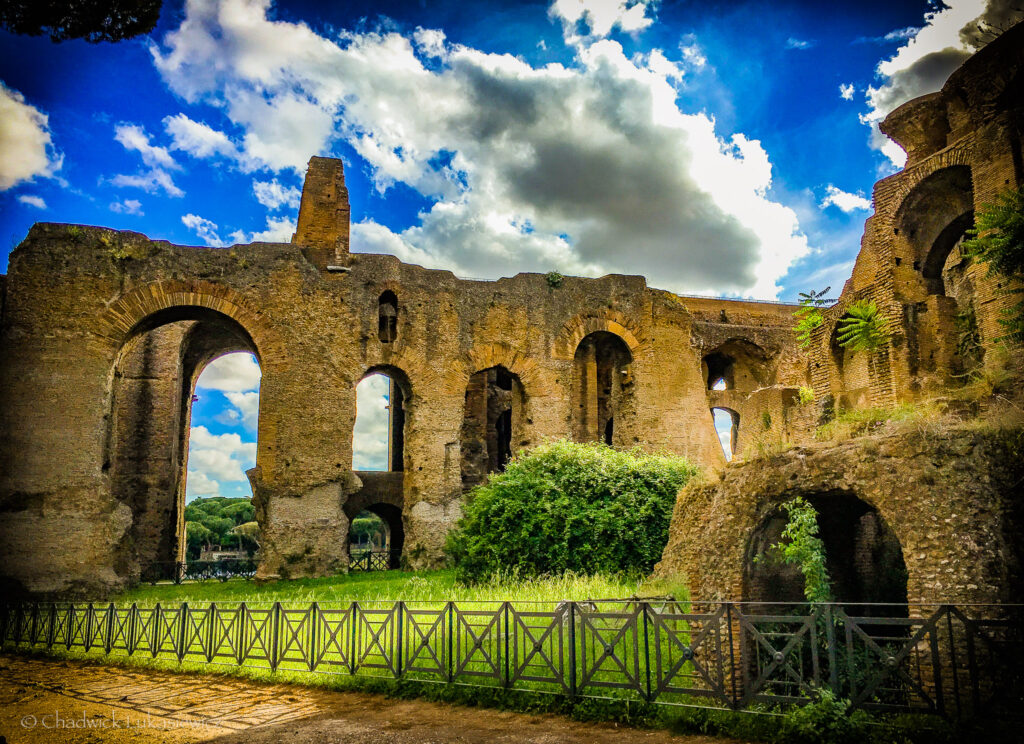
{"x":723,"y":148}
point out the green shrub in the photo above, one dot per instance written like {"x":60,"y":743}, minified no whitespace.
{"x":826,"y":720}
{"x":803,"y":547}
{"x":565,"y":506}
{"x":554,"y":279}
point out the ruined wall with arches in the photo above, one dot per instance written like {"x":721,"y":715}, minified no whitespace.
{"x":964,"y":146}
{"x":106,"y":332}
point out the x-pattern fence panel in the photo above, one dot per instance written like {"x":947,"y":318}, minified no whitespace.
{"x":955,"y":661}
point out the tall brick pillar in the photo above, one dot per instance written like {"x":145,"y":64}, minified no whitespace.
{"x":324,"y":215}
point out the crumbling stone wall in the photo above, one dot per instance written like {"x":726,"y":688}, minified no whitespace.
{"x":951,"y":499}
{"x":964,"y":146}
{"x":105,"y":332}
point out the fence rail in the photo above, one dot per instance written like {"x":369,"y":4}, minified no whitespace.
{"x":180,"y":571}
{"x":958,"y":662}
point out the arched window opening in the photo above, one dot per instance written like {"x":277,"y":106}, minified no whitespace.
{"x":603,"y":384}
{"x":376,"y":538}
{"x":387,"y":317}
{"x":182,"y":439}
{"x":737,"y":364}
{"x":727,"y":426}
{"x":378,"y":437}
{"x":492,"y":423}
{"x":863,"y":556}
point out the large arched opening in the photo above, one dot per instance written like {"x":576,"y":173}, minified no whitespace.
{"x":930,"y":228}
{"x":492,"y":423}
{"x":379,"y":459}
{"x":863,"y":555}
{"x":158,"y":458}
{"x":602,"y":386}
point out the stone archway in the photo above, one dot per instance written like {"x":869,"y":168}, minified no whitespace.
{"x":146,"y":453}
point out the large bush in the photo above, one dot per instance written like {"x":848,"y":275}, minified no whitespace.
{"x":564,"y":506}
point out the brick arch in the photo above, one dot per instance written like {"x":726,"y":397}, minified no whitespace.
{"x":890,"y":195}
{"x":124,"y":315}
{"x":485,"y":356}
{"x":581,"y":326}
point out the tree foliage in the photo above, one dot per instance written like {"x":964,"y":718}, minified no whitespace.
{"x":801,"y":546}
{"x":862,"y":328}
{"x":564,"y":506}
{"x":998,"y":240}
{"x":92,"y":20}
{"x":220,"y":521}
{"x":809,"y":316}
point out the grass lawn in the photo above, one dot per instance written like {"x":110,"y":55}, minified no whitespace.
{"x":390,"y":586}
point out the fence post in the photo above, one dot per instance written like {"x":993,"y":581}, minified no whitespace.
{"x":130,"y":642}
{"x":398,"y":633}
{"x":182,"y":623}
{"x":51,"y":632}
{"x":32,"y":637}
{"x":508,"y":677}
{"x":572,"y":650}
{"x":90,"y":616}
{"x":451,"y":640}
{"x":275,"y":636}
{"x":830,"y":642}
{"x":313,"y":614}
{"x":352,"y":655}
{"x":109,"y":640}
{"x":70,"y":633}
{"x":732,"y":652}
{"x":240,"y":654}
{"x":211,"y":617}
{"x":645,"y":609}
{"x":155,"y":632}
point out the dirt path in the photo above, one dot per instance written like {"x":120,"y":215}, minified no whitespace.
{"x":52,"y":702}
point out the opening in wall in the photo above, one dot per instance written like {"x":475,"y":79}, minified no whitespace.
{"x":492,"y":423}
{"x":378,"y":437}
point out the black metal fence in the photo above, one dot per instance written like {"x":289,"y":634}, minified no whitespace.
{"x":179,"y":571}
{"x":955,"y":661}
{"x":374,"y":560}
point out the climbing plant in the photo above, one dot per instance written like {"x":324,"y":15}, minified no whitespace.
{"x":809,"y":317}
{"x":862,"y":328}
{"x":801,"y":546}
{"x":998,"y":240}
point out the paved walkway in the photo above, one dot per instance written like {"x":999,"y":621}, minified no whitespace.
{"x":62,"y":701}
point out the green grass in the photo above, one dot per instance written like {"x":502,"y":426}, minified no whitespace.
{"x":390,"y":586}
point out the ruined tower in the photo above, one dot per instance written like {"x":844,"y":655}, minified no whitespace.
{"x":324,"y":214}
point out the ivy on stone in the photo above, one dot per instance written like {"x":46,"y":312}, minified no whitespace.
{"x":802,"y":547}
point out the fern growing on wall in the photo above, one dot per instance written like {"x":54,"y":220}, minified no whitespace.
{"x":862,"y":328}
{"x":809,"y":316}
{"x":998,"y":239}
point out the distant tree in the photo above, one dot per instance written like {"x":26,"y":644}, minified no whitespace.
{"x":216,"y":521}
{"x":92,"y":20}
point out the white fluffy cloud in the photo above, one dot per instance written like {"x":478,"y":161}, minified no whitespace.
{"x":278,"y":230}
{"x":844,"y":200}
{"x":272,"y":195}
{"x":231,"y":373}
{"x":248,"y":407}
{"x":600,"y":17}
{"x":216,"y":458}
{"x":923,"y":63}
{"x":158,"y":162}
{"x":33,"y":201}
{"x":370,"y":434}
{"x":26,"y":145}
{"x":197,"y":139}
{"x":846,"y":91}
{"x":590,"y":169}
{"x":128,"y":206}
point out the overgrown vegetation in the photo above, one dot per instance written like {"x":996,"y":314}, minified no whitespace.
{"x":862,"y":328}
{"x":847,"y":424}
{"x":998,"y":240}
{"x":220,"y":521}
{"x":554,"y":279}
{"x":802,"y":547}
{"x":809,"y":316}
{"x":565,"y":506}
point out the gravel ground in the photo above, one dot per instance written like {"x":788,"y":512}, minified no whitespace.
{"x":52,"y":702}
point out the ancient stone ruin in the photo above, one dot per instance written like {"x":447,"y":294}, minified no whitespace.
{"x":104,"y":334}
